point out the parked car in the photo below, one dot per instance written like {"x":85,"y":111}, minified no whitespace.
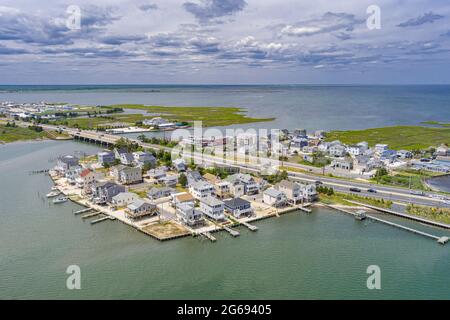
{"x":318,"y":182}
{"x":372,"y":190}
{"x":355,"y":189}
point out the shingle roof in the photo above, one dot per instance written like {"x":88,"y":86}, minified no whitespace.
{"x":236,"y":202}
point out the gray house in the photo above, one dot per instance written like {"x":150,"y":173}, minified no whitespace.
{"x":103,"y":192}
{"x":64,"y":163}
{"x":142,"y":158}
{"x":105,"y":157}
{"x":127,"y":175}
{"x":157,"y":193}
{"x":139,"y":209}
{"x":238,"y":207}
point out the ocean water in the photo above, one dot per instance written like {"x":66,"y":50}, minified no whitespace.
{"x":323,"y":255}
{"x":295,"y":106}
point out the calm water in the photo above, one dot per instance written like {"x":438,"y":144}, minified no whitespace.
{"x":296,"y":106}
{"x":321,"y":255}
{"x":441,"y":183}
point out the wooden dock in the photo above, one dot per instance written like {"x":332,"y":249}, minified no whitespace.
{"x":82,"y":211}
{"x":102,"y":219}
{"x":249,"y":226}
{"x":234,"y":233}
{"x":209,"y":236}
{"x":90,"y":215}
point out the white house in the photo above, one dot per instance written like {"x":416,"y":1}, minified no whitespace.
{"x":274,"y":197}
{"x":126,"y":175}
{"x":292,"y":191}
{"x":189,"y":214}
{"x":212,"y":207}
{"x":201,"y":190}
{"x":140,"y":208}
{"x":142,"y":158}
{"x":124,"y":199}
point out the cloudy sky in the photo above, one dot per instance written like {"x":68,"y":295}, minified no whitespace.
{"x":224,"y":41}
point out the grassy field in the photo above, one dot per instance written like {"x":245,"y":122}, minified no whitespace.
{"x":436,"y":214}
{"x":11,"y":134}
{"x":211,"y":116}
{"x":339,"y":198}
{"x":397,"y":137}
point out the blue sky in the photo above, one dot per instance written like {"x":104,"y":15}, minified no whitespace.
{"x":225,"y":41}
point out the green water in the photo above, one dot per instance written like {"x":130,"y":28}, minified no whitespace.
{"x":323,"y":255}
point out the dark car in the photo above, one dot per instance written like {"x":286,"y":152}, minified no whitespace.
{"x":318,"y":183}
{"x":372,"y":190}
{"x":355,"y":190}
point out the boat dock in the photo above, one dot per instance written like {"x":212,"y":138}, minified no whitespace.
{"x":102,"y":219}
{"x":90,"y":215}
{"x":82,"y":211}
{"x":440,"y":240}
{"x":234,"y":233}
{"x":209,"y":236}
{"x":249,"y":226}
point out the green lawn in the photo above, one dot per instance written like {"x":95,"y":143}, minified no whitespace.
{"x":339,"y":198}
{"x":436,"y":214}
{"x":397,"y":137}
{"x":11,"y":134}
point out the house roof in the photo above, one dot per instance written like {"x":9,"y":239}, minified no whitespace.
{"x":137,"y":204}
{"x":184,"y":197}
{"x":124,"y":195}
{"x":211,"y":178}
{"x":273,"y":192}
{"x":236,"y":202}
{"x":154,"y":191}
{"x":85,"y":172}
{"x":288,"y":184}
{"x":211,"y":201}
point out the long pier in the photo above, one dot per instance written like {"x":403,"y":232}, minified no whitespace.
{"x":440,"y":240}
{"x":82,"y":211}
{"x":249,"y":226}
{"x":404,"y":215}
{"x":90,"y":215}
{"x":102,"y":219}
{"x":234,"y":233}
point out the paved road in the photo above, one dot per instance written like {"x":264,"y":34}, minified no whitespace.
{"x":342,"y":185}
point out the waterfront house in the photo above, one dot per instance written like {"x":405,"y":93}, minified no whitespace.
{"x":142,"y":158}
{"x":183,"y":197}
{"x":189,"y":215}
{"x":102,"y":192}
{"x":212,"y":207}
{"x":85,"y":179}
{"x":126,"y":175}
{"x":124,"y":198}
{"x":201,"y":190}
{"x":158,"y":193}
{"x":309,"y":192}
{"x":238,"y":207}
{"x":64,"y":163}
{"x":105,"y":158}
{"x":169,"y":180}
{"x":274,"y":197}
{"x":179,"y":165}
{"x":345,"y":163}
{"x":237,"y":189}
{"x":72,"y":174}
{"x":156,"y":174}
{"x":140,"y":208}
{"x":126,"y":159}
{"x":292,"y":191}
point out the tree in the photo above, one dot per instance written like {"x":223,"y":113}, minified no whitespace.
{"x":381,"y":172}
{"x":183,"y":180}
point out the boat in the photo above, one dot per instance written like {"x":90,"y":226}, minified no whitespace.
{"x":60,"y":200}
{"x":55,"y":188}
{"x":52,"y":194}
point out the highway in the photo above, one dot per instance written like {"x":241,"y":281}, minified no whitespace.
{"x":395,"y":194}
